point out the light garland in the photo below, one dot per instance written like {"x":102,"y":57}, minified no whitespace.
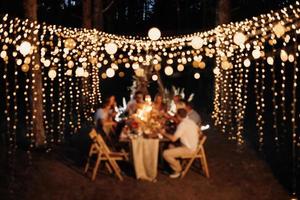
{"x":71,"y":58}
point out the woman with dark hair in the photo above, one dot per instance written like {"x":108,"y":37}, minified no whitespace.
{"x":105,"y":115}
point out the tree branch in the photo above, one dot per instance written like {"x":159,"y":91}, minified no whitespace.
{"x":108,"y":6}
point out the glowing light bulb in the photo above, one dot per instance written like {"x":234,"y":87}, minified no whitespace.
{"x":79,"y":72}
{"x":197,"y":75}
{"x":110,"y":72}
{"x":111,"y":48}
{"x":239,"y":38}
{"x":154,"y":33}
{"x":25,"y":48}
{"x":270,"y":60}
{"x":247,"y":63}
{"x":216,"y":71}
{"x":154,"y":77}
{"x":197,"y":42}
{"x":168,"y":70}
{"x":180,"y":67}
{"x":52,"y":74}
{"x":256,"y":53}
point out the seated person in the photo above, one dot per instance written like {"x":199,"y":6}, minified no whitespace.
{"x":135,"y":103}
{"x":158,"y":104}
{"x":105,"y":114}
{"x":176,"y":104}
{"x":192,"y":114}
{"x":187,"y":132}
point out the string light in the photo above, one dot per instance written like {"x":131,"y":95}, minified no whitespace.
{"x":66,"y":50}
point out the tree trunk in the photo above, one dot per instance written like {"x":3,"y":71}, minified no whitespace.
{"x":87,"y":14}
{"x":30,"y":11}
{"x":223,"y":12}
{"x":98,"y":14}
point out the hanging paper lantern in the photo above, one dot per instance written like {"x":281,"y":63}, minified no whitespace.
{"x":247,"y":62}
{"x":25,"y":68}
{"x":197,"y":42}
{"x":157,"y":67}
{"x":226,"y":65}
{"x":180,"y":67}
{"x":201,"y":65}
{"x":168,"y":70}
{"x":135,"y":65}
{"x":154,"y":77}
{"x":239,"y":38}
{"x":114,"y":66}
{"x":79,"y":72}
{"x":127,"y":65}
{"x":216,"y":71}
{"x":121,"y":74}
{"x":139,"y":72}
{"x":110,"y":72}
{"x":279,"y":30}
{"x":270,"y":60}
{"x":256,"y":53}
{"x":103,"y":76}
{"x":3,"y":54}
{"x":52,"y":74}
{"x":70,"y":43}
{"x":25,"y":48}
{"x":283,"y":55}
{"x":197,"y":75}
{"x":291,"y":58}
{"x":154,"y":33}
{"x":47,"y":63}
{"x":70,"y":64}
{"x":111,"y":48}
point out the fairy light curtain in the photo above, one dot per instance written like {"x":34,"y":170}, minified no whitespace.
{"x":72,"y":62}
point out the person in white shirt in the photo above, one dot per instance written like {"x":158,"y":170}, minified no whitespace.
{"x":192,"y":114}
{"x":188,"y":133}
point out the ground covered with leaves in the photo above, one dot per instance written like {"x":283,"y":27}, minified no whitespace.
{"x":236,"y":173}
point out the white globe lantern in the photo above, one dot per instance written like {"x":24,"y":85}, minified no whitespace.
{"x":279,"y":30}
{"x":256,"y":53}
{"x":247,"y":63}
{"x":135,"y":65}
{"x":25,"y":48}
{"x":79,"y":72}
{"x":283,"y":55}
{"x":239,"y":38}
{"x":168,"y":70}
{"x":154,"y":77}
{"x":110,"y":72}
{"x":52,"y":74}
{"x":197,"y":42}
{"x":47,"y":63}
{"x":270,"y":60}
{"x":180,"y":67}
{"x":216,"y":71}
{"x":197,"y":75}
{"x":111,"y":48}
{"x":154,"y":33}
{"x":291,"y":58}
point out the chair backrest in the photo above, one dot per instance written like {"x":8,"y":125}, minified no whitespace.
{"x":99,"y":141}
{"x":202,"y":139}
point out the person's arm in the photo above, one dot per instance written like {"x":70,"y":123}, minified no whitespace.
{"x":178,"y":133}
{"x":173,"y":138}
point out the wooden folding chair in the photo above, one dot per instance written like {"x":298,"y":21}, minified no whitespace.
{"x":199,"y":153}
{"x":102,"y":151}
